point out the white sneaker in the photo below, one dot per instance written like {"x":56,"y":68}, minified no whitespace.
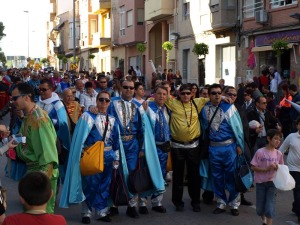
{"x":169,"y":176}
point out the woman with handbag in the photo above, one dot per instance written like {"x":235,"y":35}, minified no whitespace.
{"x":90,"y":129}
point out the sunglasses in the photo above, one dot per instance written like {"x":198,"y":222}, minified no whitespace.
{"x":44,"y":89}
{"x":185,"y":93}
{"x":128,"y":87}
{"x":103,"y":99}
{"x":215,"y":93}
{"x":15,"y":98}
{"x":231,"y":94}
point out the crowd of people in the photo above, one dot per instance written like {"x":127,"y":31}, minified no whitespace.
{"x":58,"y":116}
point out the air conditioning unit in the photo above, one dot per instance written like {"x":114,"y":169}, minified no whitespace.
{"x":261,"y":16}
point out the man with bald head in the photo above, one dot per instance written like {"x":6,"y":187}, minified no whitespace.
{"x":73,"y":108}
{"x":79,"y":89}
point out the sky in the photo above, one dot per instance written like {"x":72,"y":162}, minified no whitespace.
{"x":16,"y":29}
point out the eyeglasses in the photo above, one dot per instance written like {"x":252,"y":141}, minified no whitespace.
{"x":103,"y":99}
{"x":185,"y":93}
{"x":15,"y":98}
{"x":231,"y":94}
{"x":215,"y":93}
{"x":44,"y":89}
{"x":128,"y":87}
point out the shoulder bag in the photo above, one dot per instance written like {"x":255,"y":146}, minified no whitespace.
{"x":243,"y":175}
{"x":92,"y":158}
{"x":204,"y":137}
{"x":139,"y":180}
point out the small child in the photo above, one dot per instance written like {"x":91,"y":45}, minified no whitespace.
{"x":35,"y":191}
{"x":264,"y":164}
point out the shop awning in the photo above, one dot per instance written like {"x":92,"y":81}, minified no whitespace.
{"x":267,"y":48}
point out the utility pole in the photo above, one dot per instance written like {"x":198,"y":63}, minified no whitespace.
{"x":27,"y":32}
{"x":74,"y":34}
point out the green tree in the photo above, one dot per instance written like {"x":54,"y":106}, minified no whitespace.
{"x":2,"y":27}
{"x":2,"y":58}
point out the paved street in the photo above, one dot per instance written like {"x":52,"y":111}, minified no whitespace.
{"x":188,"y":217}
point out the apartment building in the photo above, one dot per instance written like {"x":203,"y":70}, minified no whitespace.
{"x":128,"y":29}
{"x":60,"y":32}
{"x":263,"y":23}
{"x":186,"y":22}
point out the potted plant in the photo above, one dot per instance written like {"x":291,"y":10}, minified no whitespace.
{"x":141,"y":47}
{"x":200,"y":49}
{"x":279,"y":46}
{"x":91,"y":56}
{"x":167,"y":46}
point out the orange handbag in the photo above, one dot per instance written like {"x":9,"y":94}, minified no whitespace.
{"x":92,"y":160}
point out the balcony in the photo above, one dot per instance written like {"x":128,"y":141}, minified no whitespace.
{"x":223,"y":16}
{"x":157,"y":9}
{"x":100,"y":42}
{"x":100,"y":6}
{"x":57,"y":49}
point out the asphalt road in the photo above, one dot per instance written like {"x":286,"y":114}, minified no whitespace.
{"x":187,"y":217}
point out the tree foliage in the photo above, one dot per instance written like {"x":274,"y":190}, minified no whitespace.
{"x":141,"y":47}
{"x":200,"y":49}
{"x":2,"y":27}
{"x":2,"y":58}
{"x":279,"y":46}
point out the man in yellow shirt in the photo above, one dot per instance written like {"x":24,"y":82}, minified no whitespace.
{"x":185,"y":132}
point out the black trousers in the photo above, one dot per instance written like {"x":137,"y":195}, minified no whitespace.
{"x":190,"y":157}
{"x":296,"y":192}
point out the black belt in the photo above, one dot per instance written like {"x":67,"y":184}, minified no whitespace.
{"x":185,"y":142}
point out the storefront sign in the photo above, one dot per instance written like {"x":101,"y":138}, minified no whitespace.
{"x":292,"y":36}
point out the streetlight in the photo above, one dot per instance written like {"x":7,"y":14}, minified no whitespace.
{"x":27,"y":33}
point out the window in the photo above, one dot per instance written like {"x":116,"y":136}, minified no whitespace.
{"x":186,"y":10}
{"x":251,"y":6}
{"x":129,"y":18}
{"x":93,"y":27}
{"x":122,"y":21}
{"x":280,"y":3}
{"x":140,"y":16}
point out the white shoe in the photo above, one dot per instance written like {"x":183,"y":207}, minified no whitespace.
{"x":169,"y":176}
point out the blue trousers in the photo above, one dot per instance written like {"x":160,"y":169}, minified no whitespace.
{"x":265,"y":199}
{"x":222,"y":161}
{"x":163,"y":157}
{"x":131,"y":149}
{"x":96,"y":187}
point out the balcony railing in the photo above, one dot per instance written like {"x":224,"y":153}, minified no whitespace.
{"x":99,"y":41}
{"x":157,"y":9}
{"x":99,"y":6}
